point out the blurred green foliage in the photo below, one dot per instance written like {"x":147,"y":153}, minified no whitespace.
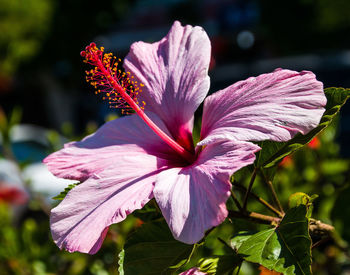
{"x":23,"y":25}
{"x":316,"y":169}
{"x":27,"y":247}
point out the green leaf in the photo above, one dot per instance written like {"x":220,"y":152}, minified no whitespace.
{"x":63,"y":194}
{"x":285,"y":249}
{"x":240,"y":238}
{"x":299,"y":198}
{"x":272,"y":152}
{"x":153,"y":250}
{"x":149,"y":212}
{"x":220,"y":265}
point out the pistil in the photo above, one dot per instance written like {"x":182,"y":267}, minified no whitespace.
{"x":104,"y":74}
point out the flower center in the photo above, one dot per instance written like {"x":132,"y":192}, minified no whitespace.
{"x":121,"y":91}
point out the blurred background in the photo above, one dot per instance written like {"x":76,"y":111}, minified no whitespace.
{"x":45,"y":102}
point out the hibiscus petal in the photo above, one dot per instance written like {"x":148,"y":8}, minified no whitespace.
{"x":193,"y":271}
{"x":80,"y":222}
{"x":175,"y":74}
{"x":192,"y":199}
{"x":272,"y":106}
{"x":118,"y":163}
{"x":107,"y":147}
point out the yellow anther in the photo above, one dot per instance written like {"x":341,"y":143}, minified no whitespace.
{"x":110,"y":76}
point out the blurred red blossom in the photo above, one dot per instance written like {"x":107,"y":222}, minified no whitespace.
{"x":12,"y":195}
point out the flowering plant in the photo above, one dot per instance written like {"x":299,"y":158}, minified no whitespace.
{"x":151,"y":154}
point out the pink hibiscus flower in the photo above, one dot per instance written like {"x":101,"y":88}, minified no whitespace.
{"x":193,"y":271}
{"x":127,"y":162}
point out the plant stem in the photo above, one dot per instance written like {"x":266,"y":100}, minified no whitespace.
{"x":316,"y":227}
{"x":261,"y":200}
{"x":239,"y":269}
{"x":224,"y":243}
{"x":236,"y":201}
{"x":322,"y":241}
{"x":275,"y":197}
{"x":252,"y":179}
{"x":255,"y":217}
{"x":273,"y":192}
